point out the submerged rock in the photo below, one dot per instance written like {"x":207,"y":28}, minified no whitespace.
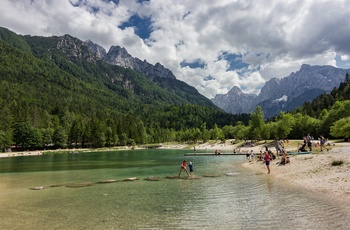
{"x":37,"y":188}
{"x":131,"y":179}
{"x":78,"y":185}
{"x":211,"y":175}
{"x":172,"y":177}
{"x":107,"y":181}
{"x":152,"y":178}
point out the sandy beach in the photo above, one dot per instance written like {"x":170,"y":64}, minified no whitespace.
{"x":311,"y":171}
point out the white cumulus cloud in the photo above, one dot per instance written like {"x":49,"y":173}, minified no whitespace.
{"x":273,"y":37}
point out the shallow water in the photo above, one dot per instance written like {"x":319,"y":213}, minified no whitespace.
{"x":244,"y":200}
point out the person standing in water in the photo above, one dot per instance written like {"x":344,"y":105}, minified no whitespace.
{"x":190,"y":166}
{"x":184,"y":167}
{"x":267,"y":161}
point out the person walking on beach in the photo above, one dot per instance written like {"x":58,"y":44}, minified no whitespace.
{"x":309,"y":142}
{"x":184,"y":167}
{"x":322,"y":142}
{"x":267,"y":161}
{"x":278,"y":146}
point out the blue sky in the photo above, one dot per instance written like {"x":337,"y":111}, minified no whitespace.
{"x":211,"y":45}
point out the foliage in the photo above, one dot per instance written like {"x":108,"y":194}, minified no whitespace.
{"x":324,"y":102}
{"x":65,"y":101}
{"x":341,"y":128}
{"x":285,"y":123}
{"x":256,"y":123}
{"x":54,"y":98}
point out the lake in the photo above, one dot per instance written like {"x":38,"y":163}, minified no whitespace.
{"x":243,"y":200}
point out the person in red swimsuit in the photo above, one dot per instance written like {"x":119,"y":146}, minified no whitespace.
{"x":267,"y":161}
{"x":184,"y":167}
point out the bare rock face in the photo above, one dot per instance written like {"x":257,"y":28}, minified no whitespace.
{"x":235,"y":101}
{"x":284,"y":94}
{"x":98,"y":51}
{"x":75,"y":48}
{"x":92,"y":52}
{"x":119,"y":56}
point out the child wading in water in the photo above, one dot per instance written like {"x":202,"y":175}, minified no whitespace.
{"x":190,"y":166}
{"x":183,"y":167}
{"x":267,"y":162}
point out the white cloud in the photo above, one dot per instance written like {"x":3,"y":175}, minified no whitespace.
{"x":274,"y":37}
{"x":345,"y":57}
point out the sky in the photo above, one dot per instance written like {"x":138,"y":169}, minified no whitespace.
{"x":210,"y":45}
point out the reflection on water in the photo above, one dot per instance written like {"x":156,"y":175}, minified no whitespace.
{"x":243,"y":200}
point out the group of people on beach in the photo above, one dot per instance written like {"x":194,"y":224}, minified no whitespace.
{"x":280,"y":150}
{"x":267,"y":156}
{"x":309,"y":142}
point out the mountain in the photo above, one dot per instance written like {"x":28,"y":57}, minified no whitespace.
{"x":284,"y":94}
{"x":157,"y":73}
{"x":66,"y":91}
{"x":161,"y":84}
{"x":235,"y":101}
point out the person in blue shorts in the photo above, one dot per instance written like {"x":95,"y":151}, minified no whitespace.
{"x":190,"y":166}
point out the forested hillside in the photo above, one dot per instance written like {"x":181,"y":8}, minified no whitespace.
{"x":58,"y":98}
{"x":52,"y":98}
{"x":331,"y":109}
{"x":328,"y":115}
{"x":325,"y":101}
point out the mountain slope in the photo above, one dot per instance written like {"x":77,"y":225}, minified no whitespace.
{"x":235,"y":101}
{"x":287,"y":93}
{"x":88,"y":61}
{"x":56,"y":86}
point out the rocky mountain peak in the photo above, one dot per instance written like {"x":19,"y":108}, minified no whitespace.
{"x":235,"y":91}
{"x":91,"y":52}
{"x":286,"y":93}
{"x":306,"y":68}
{"x":74,"y":48}
{"x":98,"y":51}
{"x":119,"y":56}
{"x":235,"y":101}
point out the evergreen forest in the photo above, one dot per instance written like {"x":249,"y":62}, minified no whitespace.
{"x":54,"y":99}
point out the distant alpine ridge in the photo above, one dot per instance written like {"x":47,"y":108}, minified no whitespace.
{"x":284,"y":94}
{"x":120,"y":56}
{"x":92,"y":52}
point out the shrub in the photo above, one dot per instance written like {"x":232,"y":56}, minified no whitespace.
{"x":337,"y":162}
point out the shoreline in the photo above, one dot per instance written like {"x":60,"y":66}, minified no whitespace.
{"x":59,"y":151}
{"x":313,"y":172}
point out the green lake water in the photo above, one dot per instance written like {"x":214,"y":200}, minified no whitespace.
{"x":243,"y":200}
